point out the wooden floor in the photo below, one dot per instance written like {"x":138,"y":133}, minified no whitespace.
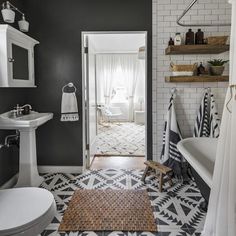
{"x":118,"y":162}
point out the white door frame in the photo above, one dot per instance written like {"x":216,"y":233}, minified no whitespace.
{"x":84,"y":109}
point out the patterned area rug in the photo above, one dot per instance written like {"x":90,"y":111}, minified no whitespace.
{"x":176,"y":209}
{"x":121,"y":139}
{"x":109,"y":210}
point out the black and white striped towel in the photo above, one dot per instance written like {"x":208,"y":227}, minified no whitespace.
{"x":170,"y":155}
{"x":207,"y":123}
{"x":214,"y":119}
{"x":202,"y":124}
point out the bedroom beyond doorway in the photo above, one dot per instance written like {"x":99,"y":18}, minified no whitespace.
{"x":115,"y":71}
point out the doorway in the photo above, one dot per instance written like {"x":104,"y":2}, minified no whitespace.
{"x":115,"y":95}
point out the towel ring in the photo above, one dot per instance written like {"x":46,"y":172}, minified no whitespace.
{"x":70,"y":85}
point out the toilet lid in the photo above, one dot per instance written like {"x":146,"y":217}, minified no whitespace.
{"x":22,"y":207}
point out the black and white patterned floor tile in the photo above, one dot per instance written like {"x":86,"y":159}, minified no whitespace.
{"x":176,"y":209}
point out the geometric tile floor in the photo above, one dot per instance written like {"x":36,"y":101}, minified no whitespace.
{"x":176,"y":209}
{"x":125,"y":138}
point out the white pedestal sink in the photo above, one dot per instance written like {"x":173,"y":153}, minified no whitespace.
{"x":26,"y":124}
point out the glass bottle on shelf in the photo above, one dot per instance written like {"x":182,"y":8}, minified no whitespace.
{"x":189,"y":39}
{"x":171,"y":42}
{"x":201,"y":70}
{"x":199,"y":37}
{"x":178,"y":39}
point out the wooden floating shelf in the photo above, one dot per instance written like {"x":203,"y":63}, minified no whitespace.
{"x":196,"y":49}
{"x":186,"y":79}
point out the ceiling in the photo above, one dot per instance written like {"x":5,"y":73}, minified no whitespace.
{"x":108,"y":43}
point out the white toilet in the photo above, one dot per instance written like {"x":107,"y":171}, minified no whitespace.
{"x":25,"y":211}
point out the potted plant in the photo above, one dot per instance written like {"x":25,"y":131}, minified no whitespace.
{"x":217,"y":66}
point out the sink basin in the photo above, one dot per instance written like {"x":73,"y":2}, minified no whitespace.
{"x":27,"y":125}
{"x":33,"y":120}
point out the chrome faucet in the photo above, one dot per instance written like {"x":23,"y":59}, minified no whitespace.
{"x":19,"y":110}
{"x":27,"y":105}
{"x":26,"y":109}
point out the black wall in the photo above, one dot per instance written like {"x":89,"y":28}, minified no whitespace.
{"x":9,"y":97}
{"x":58,"y":24}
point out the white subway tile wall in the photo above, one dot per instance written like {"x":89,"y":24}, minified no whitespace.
{"x":165,"y":13}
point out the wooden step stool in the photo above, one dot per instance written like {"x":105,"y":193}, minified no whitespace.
{"x":163,"y":173}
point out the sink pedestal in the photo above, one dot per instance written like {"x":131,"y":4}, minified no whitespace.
{"x":28,"y":171}
{"x":27,"y":125}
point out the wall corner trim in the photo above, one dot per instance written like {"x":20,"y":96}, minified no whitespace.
{"x":60,"y":169}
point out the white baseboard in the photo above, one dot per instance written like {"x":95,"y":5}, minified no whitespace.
{"x":10,"y":183}
{"x":46,"y":169}
{"x":60,"y":169}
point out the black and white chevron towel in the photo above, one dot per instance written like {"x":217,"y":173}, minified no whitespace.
{"x":170,"y":155}
{"x":214,"y":119}
{"x":207,"y":123}
{"x":201,"y":127}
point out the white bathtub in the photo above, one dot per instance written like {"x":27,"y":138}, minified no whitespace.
{"x":200,"y":154}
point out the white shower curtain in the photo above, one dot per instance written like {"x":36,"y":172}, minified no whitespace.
{"x":106,"y":65}
{"x":221,"y":215}
{"x":131,"y":70}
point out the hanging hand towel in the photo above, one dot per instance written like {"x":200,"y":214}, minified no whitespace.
{"x":207,"y":123}
{"x":69,"y":107}
{"x":202,"y":124}
{"x":170,"y":155}
{"x":214,"y":119}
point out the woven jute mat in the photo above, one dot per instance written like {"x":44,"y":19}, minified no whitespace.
{"x":109,"y":210}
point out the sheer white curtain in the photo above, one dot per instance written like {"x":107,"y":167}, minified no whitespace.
{"x":139,"y":95}
{"x":119,"y":70}
{"x":131,"y":71}
{"x":221,"y":215}
{"x":106,"y":66}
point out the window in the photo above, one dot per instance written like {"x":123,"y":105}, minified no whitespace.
{"x":120,"y":95}
{"x":119,"y":87}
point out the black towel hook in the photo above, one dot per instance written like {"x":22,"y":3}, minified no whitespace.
{"x":173,"y":91}
{"x":208,"y":89}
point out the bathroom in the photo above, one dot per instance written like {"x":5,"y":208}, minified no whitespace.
{"x":58,"y":25}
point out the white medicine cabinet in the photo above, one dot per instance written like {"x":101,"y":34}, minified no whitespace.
{"x":16,"y":58}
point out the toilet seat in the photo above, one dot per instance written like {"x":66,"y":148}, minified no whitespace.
{"x":25,"y":211}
